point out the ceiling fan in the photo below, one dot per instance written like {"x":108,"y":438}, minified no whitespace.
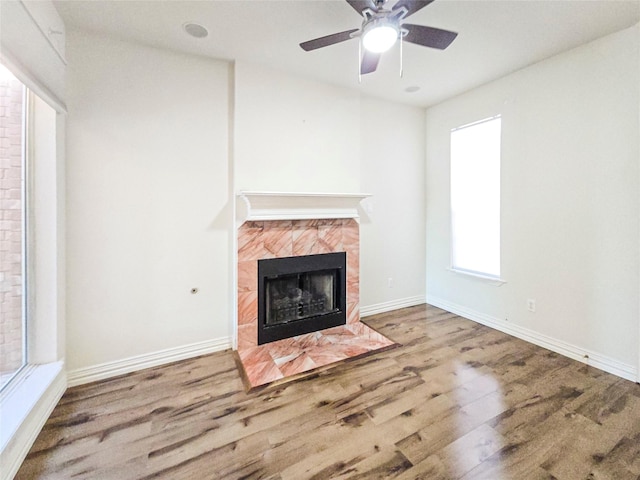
{"x":381,"y":28}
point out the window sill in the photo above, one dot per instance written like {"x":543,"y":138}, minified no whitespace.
{"x":496,"y":281}
{"x":25,"y":406}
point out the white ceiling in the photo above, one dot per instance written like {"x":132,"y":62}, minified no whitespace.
{"x":495,"y":37}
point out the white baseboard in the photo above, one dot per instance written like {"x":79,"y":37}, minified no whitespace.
{"x":594,"y":359}
{"x":101,"y":371}
{"x":392,"y":305}
{"x":36,"y":396}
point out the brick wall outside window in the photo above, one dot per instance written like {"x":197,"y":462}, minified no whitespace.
{"x":11,"y":205}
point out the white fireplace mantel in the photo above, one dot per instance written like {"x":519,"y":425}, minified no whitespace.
{"x":260,"y":206}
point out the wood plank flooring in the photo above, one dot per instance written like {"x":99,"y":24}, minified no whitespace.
{"x":456,"y":401}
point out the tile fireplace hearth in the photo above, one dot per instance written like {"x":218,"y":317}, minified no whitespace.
{"x":292,"y":356}
{"x":280,"y":359}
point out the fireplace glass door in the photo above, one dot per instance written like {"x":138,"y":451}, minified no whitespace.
{"x":299,"y":295}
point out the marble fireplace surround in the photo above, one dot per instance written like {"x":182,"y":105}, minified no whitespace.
{"x":276,"y":225}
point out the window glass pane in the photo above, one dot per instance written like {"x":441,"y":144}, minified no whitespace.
{"x":475,"y":197}
{"x":12,"y":135}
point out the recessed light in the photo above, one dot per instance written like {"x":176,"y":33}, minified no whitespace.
{"x":412,"y":89}
{"x":195,"y":30}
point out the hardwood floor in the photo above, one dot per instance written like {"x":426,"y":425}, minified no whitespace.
{"x":456,"y":400}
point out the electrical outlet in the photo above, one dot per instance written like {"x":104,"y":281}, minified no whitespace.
{"x":390,"y":282}
{"x":531,"y":305}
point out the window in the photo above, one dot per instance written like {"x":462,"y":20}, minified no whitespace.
{"x":32,"y":379}
{"x":12,"y":226}
{"x":475,"y":198}
{"x":31,"y":388}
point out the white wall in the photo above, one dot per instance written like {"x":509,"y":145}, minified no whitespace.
{"x":147,"y":194}
{"x":570,"y":201}
{"x":148,"y":184}
{"x":298,"y":135}
{"x":294,"y":134}
{"x":393,"y":223}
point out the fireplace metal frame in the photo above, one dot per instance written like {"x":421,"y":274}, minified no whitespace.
{"x":269,"y":268}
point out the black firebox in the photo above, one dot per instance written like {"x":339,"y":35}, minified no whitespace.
{"x":299,"y":295}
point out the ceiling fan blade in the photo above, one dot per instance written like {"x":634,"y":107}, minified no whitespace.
{"x":327,"y":40}
{"x":369,"y":62}
{"x":412,"y":6}
{"x":429,"y":36}
{"x":360,"y":5}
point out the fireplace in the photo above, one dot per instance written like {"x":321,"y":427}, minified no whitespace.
{"x":280,"y":239}
{"x":302,"y":294}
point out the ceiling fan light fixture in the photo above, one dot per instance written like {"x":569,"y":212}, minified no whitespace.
{"x":380,"y":36}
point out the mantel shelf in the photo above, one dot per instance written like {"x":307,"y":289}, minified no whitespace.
{"x":260,"y":206}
